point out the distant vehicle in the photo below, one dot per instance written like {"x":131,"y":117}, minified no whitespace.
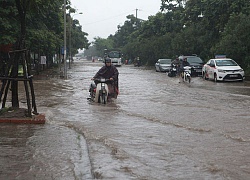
{"x":163,"y":65}
{"x":137,"y":62}
{"x":114,"y":55}
{"x":75,"y":58}
{"x":223,"y":69}
{"x":196,"y":63}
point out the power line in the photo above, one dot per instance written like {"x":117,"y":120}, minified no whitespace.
{"x":107,"y":18}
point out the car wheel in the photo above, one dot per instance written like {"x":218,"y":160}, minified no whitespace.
{"x":215,"y":77}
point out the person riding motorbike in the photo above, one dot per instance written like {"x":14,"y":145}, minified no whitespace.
{"x":109,"y":71}
{"x":137,"y":61}
{"x":175,"y":64}
{"x":183,"y":63}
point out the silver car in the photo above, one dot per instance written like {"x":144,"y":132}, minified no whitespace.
{"x":163,"y":65}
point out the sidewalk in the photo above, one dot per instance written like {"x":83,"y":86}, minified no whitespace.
{"x":18,"y":116}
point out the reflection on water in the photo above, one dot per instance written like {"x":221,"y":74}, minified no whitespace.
{"x":39,"y":152}
{"x":227,"y":87}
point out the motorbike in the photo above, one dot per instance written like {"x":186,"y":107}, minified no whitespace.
{"x":186,"y":75}
{"x":173,"y":71}
{"x":137,"y":63}
{"x":99,"y":91}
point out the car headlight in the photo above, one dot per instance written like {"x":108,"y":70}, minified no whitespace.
{"x":241,"y":70}
{"x":221,"y":70}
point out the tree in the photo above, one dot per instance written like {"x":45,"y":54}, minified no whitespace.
{"x":8,"y":24}
{"x":121,"y":37}
{"x":100,"y":44}
{"x":45,"y":28}
{"x":30,"y":21}
{"x":235,"y":42}
{"x":79,"y":39}
{"x":201,"y":27}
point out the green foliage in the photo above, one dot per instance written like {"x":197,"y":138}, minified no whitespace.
{"x":235,"y":42}
{"x":202,"y":27}
{"x":247,"y":70}
{"x":78,"y":37}
{"x":9,"y":26}
{"x":43,"y":23}
{"x":100,"y":44}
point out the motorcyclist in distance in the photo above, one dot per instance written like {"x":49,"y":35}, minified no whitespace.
{"x":176,"y":63}
{"x":109,"y":71}
{"x":183,"y":63}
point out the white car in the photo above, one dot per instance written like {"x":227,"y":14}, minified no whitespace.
{"x":223,"y":69}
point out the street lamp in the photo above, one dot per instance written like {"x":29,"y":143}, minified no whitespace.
{"x":70,"y":32}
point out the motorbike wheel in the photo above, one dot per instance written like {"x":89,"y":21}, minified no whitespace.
{"x":99,"y":99}
{"x":184,"y":77}
{"x":189,"y":79}
{"x":103,"y":98}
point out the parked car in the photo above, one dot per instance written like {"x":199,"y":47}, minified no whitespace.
{"x":163,"y":65}
{"x":223,"y":69}
{"x":195,"y":62}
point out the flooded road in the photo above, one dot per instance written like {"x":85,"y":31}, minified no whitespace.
{"x":157,"y":129}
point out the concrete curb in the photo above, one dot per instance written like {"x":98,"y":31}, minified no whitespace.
{"x":36,"y":119}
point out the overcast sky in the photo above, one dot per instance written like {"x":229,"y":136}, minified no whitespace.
{"x":100,"y":18}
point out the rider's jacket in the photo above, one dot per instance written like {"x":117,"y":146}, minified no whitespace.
{"x":183,"y":64}
{"x":108,"y":72}
{"x":176,"y":63}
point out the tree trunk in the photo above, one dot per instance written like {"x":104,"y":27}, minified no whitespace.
{"x":20,"y":44}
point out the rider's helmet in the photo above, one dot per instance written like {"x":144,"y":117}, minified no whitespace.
{"x":107,"y":60}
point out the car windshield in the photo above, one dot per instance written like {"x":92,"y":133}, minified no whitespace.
{"x":225,"y":62}
{"x":194,"y":60}
{"x":114,"y":54}
{"x":165,"y":61}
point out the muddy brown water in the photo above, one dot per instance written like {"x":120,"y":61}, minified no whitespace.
{"x":158,"y":129}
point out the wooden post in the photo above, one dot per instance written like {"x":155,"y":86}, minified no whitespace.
{"x":10,"y":77}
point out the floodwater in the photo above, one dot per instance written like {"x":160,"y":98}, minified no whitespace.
{"x":157,"y":129}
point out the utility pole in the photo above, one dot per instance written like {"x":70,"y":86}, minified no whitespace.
{"x":64,"y":48}
{"x":136,"y":16}
{"x":70,"y":24}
